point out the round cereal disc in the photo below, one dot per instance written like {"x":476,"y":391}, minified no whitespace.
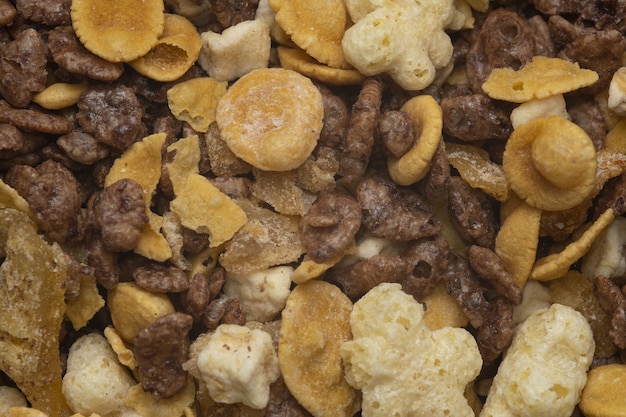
{"x":118,"y":30}
{"x":604,"y":392}
{"x":271,"y":118}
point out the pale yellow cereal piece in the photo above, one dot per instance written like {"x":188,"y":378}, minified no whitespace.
{"x":616,"y":137}
{"x":605,"y":391}
{"x":557,"y":264}
{"x":518,"y":238}
{"x":540,"y":78}
{"x":10,"y":397}
{"x":257,"y":120}
{"x":315,"y":323}
{"x":280,"y":190}
{"x":118,"y":31}
{"x":539,"y":107}
{"x":59,"y":96}
{"x":479,"y":5}
{"x":124,"y":354}
{"x":298,"y":60}
{"x":9,"y":198}
{"x":476,"y":168}
{"x":152,"y":244}
{"x":617,"y":92}
{"x":427,"y":120}
{"x":174,"y":53}
{"x":133,"y":308}
{"x":186,"y":159}
{"x":24,"y":412}
{"x":316,"y":27}
{"x":442,"y":310}
{"x":195,"y":101}
{"x":205,"y":261}
{"x":89,"y":301}
{"x":309,"y":269}
{"x":550,"y":163}
{"x":146,"y":405}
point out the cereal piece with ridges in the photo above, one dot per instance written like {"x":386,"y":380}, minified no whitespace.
{"x":604,"y":393}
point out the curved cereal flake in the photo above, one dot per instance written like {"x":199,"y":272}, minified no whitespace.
{"x":118,"y":30}
{"x":556,"y":265}
{"x":315,"y":323}
{"x":540,"y":78}
{"x":298,"y":60}
{"x":195,"y":101}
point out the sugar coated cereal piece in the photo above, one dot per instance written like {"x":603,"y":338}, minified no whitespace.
{"x":316,"y":27}
{"x":238,"y":364}
{"x":385,"y":39}
{"x":540,"y":78}
{"x":118,"y":31}
{"x":174,"y":53}
{"x":550,"y":163}
{"x":298,"y":60}
{"x":271,"y":118}
{"x":545,"y":368}
{"x":236,"y":51}
{"x":604,"y":393}
{"x":195,"y":101}
{"x":402,"y":367}
{"x":315,"y":323}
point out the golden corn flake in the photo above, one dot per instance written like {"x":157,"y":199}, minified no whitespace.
{"x":315,"y":323}
{"x":120,"y":30}
{"x":195,"y":101}
{"x":59,"y":96}
{"x":32,"y":307}
{"x":257,"y":120}
{"x":146,"y":405}
{"x":557,"y":264}
{"x":550,"y":163}
{"x":478,"y":170}
{"x":279,"y":190}
{"x":309,"y":269}
{"x":124,"y":354}
{"x":9,"y":198}
{"x":82,"y":308}
{"x":540,"y":78}
{"x":186,"y":159}
{"x":315,"y":26}
{"x":174,"y":53}
{"x":298,"y":60}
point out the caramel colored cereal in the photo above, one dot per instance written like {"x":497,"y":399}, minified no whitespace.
{"x":174,"y":53}
{"x":604,"y":393}
{"x":315,"y":323}
{"x":298,"y":60}
{"x":195,"y":101}
{"x":550,"y":163}
{"x":540,"y":78}
{"x":257,"y":120}
{"x":118,"y":31}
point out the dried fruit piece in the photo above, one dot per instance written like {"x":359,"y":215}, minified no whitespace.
{"x":118,"y":31}
{"x":315,"y":323}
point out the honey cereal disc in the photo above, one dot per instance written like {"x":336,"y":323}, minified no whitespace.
{"x":271,"y":118}
{"x":298,"y":60}
{"x":118,"y":30}
{"x":604,"y":392}
{"x":174,"y":53}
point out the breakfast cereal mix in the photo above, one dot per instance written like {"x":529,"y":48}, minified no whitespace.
{"x":267,"y":208}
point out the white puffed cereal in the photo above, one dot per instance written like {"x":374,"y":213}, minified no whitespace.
{"x":539,"y":107}
{"x":262,"y":294}
{"x":238,"y":364}
{"x":238,"y":50}
{"x":617,"y":92}
{"x":95,"y":382}
{"x":545,"y":368}
{"x":10,"y":397}
{"x":607,"y":255}
{"x":402,"y":367}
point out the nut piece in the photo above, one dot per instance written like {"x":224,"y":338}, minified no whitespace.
{"x":315,"y":323}
{"x":605,"y":391}
{"x":267,"y":142}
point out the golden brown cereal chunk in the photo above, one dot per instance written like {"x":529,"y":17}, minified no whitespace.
{"x":271,"y":118}
{"x":31,"y":311}
{"x":118,"y":31}
{"x":315,"y":323}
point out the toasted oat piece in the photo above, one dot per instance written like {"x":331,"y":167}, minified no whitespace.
{"x":118,"y":31}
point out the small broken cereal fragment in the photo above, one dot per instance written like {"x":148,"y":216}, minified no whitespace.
{"x":316,"y":27}
{"x":145,"y":404}
{"x":545,"y":368}
{"x":257,"y":120}
{"x":298,"y":60}
{"x":550,"y":163}
{"x":315,"y":323}
{"x":32,"y":306}
{"x":195,"y":101}
{"x":401,"y":366}
{"x":605,"y":391}
{"x":540,"y":78}
{"x":118,"y":31}
{"x":174,"y":53}
{"x":238,"y":364}
{"x":9,"y":198}
{"x":88,"y":302}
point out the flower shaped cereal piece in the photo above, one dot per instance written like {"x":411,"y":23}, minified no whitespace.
{"x":401,"y":366}
{"x":404,"y":39}
{"x":540,"y":78}
{"x":112,"y":29}
{"x":550,"y":163}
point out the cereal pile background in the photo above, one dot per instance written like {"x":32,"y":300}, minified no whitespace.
{"x":333,"y":208}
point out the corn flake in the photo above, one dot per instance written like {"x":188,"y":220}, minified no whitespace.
{"x":298,"y":60}
{"x":82,"y":308}
{"x":194,"y":101}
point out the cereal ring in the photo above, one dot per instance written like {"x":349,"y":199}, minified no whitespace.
{"x":271,"y":118}
{"x":112,"y":29}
